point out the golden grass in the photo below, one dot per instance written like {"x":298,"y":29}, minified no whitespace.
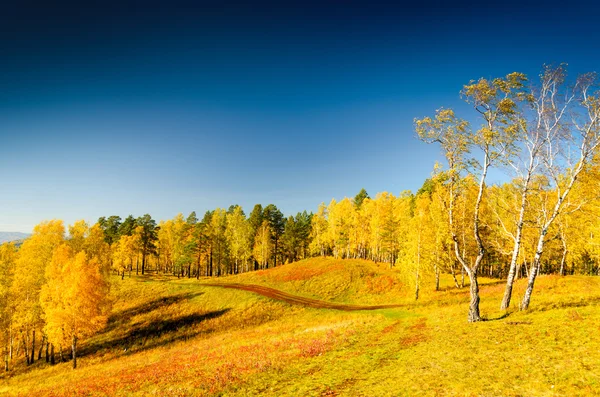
{"x":178,"y":337}
{"x":337,"y":280}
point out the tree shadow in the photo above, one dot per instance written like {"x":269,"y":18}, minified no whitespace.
{"x":576,"y":302}
{"x":453,"y":290}
{"x":500,"y":317}
{"x":115,"y":318}
{"x":148,"y":336}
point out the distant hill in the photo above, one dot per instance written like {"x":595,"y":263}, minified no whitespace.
{"x":12,"y":236}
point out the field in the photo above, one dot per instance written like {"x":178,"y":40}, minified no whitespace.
{"x":170,"y":336}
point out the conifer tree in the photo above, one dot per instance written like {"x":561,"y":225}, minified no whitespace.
{"x":148,"y":236}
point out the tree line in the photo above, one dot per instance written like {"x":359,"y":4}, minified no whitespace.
{"x":223,"y":242}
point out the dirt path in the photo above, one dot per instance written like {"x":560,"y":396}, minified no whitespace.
{"x":296,"y":300}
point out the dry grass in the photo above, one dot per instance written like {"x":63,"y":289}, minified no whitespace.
{"x":337,"y":280}
{"x":177,"y":337}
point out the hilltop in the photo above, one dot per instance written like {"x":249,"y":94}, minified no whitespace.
{"x":12,"y":236}
{"x":170,"y":336}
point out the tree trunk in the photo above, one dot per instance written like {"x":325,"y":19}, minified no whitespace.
{"x":32,"y":347}
{"x":563,"y":259}
{"x":26,"y":348}
{"x":535,"y":267}
{"x":417,"y":286}
{"x":275,"y":253}
{"x":474,"y":304}
{"x":454,"y":275}
{"x":41,"y":348}
{"x":418,"y":265}
{"x":74,"y":350}
{"x":474,"y":288}
{"x":530,"y":283}
{"x":518,"y":237}
{"x":198,"y":268}
{"x":143,"y":262}
{"x":52,"y":360}
{"x":47,"y":355}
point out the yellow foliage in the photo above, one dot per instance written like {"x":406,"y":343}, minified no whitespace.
{"x":75,"y":296}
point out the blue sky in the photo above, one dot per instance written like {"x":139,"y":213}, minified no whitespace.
{"x":161,"y":108}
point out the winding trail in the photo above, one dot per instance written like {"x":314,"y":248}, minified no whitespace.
{"x":296,"y":300}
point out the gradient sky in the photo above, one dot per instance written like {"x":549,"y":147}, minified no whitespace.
{"x":148,"y":107}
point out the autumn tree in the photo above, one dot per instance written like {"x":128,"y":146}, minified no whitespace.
{"x":361,"y":229}
{"x":180,"y":237}
{"x":75,"y":298}
{"x":548,"y":110}
{"x":319,"y":232}
{"x":421,"y":250}
{"x":8,"y":257}
{"x":126,"y":250}
{"x":216,"y":230}
{"x":453,"y":136}
{"x":34,"y":255}
{"x":263,"y":244}
{"x":339,"y":226}
{"x":566,"y":155}
{"x":238,"y":234}
{"x":495,"y":101}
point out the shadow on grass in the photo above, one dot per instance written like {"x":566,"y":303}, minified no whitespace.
{"x":151,"y":335}
{"x":482,"y":284}
{"x":115,"y":318}
{"x":500,"y":317}
{"x":576,"y":302}
{"x":122,"y":337}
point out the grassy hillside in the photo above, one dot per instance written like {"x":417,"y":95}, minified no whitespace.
{"x":336,"y":280}
{"x":177,"y":337}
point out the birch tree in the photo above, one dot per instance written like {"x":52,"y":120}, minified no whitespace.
{"x":319,"y":232}
{"x":495,"y":102}
{"x":548,"y":109}
{"x":565,"y":156}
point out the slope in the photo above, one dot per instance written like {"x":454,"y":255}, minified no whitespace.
{"x":178,"y":337}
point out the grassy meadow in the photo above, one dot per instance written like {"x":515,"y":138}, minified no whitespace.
{"x":176,"y":337}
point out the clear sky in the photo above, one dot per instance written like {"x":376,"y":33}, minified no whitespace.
{"x":165,"y":107}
